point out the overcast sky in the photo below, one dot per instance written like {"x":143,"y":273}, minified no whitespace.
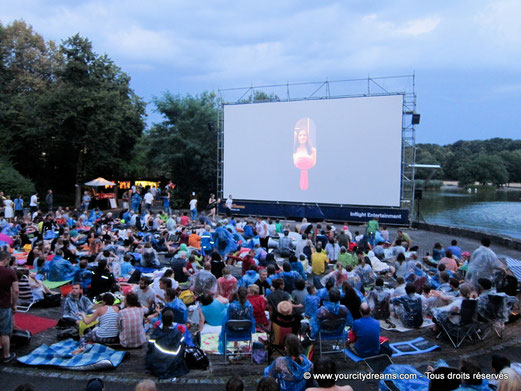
{"x":466,"y":54}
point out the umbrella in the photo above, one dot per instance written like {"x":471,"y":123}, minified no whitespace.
{"x":100,"y":182}
{"x":5,"y":238}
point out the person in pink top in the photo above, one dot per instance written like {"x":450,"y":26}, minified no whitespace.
{"x":227,"y":284}
{"x":449,"y":262}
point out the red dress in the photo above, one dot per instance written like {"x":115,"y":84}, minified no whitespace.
{"x":259,"y":307}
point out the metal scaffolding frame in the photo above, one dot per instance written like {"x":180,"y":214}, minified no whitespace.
{"x":350,"y":88}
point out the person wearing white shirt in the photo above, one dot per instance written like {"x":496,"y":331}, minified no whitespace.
{"x":34,"y":203}
{"x":193,"y":208}
{"x":262,"y":230}
{"x":148,"y":200}
{"x":228,"y":205}
{"x":272,"y":229}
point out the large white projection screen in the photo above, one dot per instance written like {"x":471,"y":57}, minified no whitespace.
{"x":332,"y":151}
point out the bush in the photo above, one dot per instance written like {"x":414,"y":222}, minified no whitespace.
{"x":13,"y":183}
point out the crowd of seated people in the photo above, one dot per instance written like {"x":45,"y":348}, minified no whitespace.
{"x":127,"y":271}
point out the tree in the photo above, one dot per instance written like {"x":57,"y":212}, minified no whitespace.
{"x":28,"y":66}
{"x":94,"y":113}
{"x":12,"y":182}
{"x":512,"y":161}
{"x":67,"y":113}
{"x":259,"y":96}
{"x":184,"y":146}
{"x":484,"y":169}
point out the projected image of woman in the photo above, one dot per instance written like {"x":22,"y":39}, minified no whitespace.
{"x":304,"y":153}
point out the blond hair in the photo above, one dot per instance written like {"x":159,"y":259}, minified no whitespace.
{"x":253,"y":289}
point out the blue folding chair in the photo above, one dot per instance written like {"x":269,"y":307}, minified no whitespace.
{"x":238,"y":330}
{"x":332,"y":330}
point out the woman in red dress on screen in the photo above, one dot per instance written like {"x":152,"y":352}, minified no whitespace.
{"x":304,"y":154}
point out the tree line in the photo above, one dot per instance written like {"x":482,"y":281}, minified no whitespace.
{"x":496,"y":161}
{"x":68,"y":115}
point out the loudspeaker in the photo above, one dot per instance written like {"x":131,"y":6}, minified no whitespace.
{"x":415,"y":119}
{"x":418,"y":194}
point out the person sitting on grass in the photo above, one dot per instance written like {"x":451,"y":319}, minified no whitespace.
{"x":289,"y":370}
{"x":364,"y":337}
{"x":258,"y":302}
{"x":108,"y":329}
{"x":73,"y":305}
{"x":409,"y":307}
{"x":165,"y":354}
{"x":379,"y":301}
{"x":131,"y":331}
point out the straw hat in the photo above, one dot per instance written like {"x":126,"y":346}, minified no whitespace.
{"x":285,"y":308}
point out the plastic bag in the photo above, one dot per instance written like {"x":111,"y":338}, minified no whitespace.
{"x":416,"y":381}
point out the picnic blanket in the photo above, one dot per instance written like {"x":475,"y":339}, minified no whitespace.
{"x":54,"y":284}
{"x":94,"y":357}
{"x":400,"y":327}
{"x":145,"y":270}
{"x":415,"y":346}
{"x":34,"y":324}
{"x":210,"y":342}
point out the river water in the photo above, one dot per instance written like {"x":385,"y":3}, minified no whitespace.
{"x":495,"y":212}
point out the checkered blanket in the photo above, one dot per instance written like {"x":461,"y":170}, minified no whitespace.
{"x":94,"y":357}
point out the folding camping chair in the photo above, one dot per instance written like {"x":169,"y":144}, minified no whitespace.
{"x":238,"y":330}
{"x":25,"y":297}
{"x":280,"y":327}
{"x":494,"y":315}
{"x":466,"y":328}
{"x":332,"y":330}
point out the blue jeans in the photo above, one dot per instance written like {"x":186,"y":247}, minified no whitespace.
{"x":6,"y":321}
{"x":194,"y":213}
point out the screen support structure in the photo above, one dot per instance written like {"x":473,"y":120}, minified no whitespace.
{"x":351,"y":88}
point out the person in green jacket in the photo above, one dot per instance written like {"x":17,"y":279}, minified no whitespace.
{"x":346,"y":258}
{"x":372,"y":228}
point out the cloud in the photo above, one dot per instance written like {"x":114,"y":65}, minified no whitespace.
{"x":420,"y":26}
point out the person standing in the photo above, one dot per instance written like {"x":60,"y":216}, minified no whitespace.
{"x":149,"y":198}
{"x":85,"y":201}
{"x":49,"y":200}
{"x":228,"y":206}
{"x":125,"y":198}
{"x":19,"y":206}
{"x":211,"y":206}
{"x":193,"y":208}
{"x":34,"y":203}
{"x":372,"y":228}
{"x":8,"y":299}
{"x":262,"y":230}
{"x":8,"y":211}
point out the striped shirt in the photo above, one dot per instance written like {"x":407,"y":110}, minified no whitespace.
{"x":108,"y":324}
{"x":25,"y":295}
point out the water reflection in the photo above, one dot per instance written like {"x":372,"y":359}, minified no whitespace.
{"x":497,"y":212}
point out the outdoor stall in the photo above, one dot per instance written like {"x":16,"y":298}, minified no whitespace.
{"x":103,"y":193}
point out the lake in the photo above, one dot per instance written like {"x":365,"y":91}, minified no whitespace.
{"x":496,"y":212}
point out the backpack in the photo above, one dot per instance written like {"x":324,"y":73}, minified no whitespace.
{"x":195,"y":358}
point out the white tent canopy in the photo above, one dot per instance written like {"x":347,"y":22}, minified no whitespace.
{"x":100,"y":182}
